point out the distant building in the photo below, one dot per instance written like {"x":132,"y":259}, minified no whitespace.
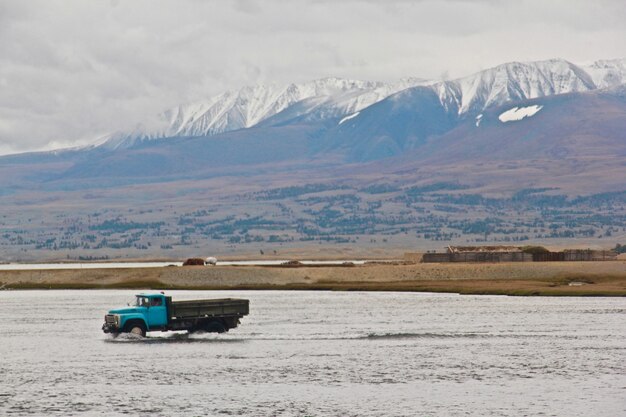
{"x":480,"y":254}
{"x":482,"y":249}
{"x":515,"y":254}
{"x":576,"y":255}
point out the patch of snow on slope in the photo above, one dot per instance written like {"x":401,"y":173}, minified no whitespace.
{"x":520,"y":113}
{"x":348,"y":117}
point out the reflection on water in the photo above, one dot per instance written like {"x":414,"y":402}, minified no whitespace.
{"x":319,"y":353}
{"x":171,"y":337}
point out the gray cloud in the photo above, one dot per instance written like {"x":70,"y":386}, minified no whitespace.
{"x":72,"y":70}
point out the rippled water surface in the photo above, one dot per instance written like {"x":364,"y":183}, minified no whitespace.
{"x":319,"y":354}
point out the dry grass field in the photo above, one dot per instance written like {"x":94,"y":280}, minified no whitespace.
{"x":550,"y":278}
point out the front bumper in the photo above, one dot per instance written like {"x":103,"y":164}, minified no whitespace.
{"x":110,"y":328}
{"x":111,"y":324}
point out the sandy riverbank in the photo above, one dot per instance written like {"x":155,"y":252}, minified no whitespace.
{"x":553,"y":278}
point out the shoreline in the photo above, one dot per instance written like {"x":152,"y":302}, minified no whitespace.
{"x":519,"y":279}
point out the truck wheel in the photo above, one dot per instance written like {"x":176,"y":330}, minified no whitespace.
{"x":138,"y":331}
{"x":136,"y":328}
{"x":215,"y":327}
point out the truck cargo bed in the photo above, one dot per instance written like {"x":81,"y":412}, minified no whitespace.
{"x":224,"y":307}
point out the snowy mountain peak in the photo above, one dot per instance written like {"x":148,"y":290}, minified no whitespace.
{"x":607,"y":72}
{"x":513,"y":81}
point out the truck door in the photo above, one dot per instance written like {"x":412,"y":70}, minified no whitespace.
{"x":157,"y":312}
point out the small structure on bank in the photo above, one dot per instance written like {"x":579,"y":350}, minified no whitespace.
{"x":200,"y":262}
{"x":194,"y":262}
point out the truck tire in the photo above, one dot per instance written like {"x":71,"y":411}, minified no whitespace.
{"x":135,"y":327}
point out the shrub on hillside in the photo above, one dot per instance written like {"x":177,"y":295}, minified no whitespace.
{"x":620,"y":248}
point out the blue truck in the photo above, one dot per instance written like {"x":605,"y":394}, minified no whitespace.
{"x":157,"y":312}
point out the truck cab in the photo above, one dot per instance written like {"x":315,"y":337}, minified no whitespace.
{"x":146,"y":312}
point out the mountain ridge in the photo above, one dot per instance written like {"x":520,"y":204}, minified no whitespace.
{"x":496,"y":119}
{"x":492,"y":166}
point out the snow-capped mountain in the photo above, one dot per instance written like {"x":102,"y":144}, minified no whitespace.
{"x":511,"y":82}
{"x":339,"y":100}
{"x":247,"y":107}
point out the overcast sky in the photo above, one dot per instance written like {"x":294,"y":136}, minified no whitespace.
{"x":73,"y":70}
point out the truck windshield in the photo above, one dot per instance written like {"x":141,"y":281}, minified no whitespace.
{"x":142,"y":302}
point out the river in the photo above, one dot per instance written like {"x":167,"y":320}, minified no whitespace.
{"x":319,"y":354}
